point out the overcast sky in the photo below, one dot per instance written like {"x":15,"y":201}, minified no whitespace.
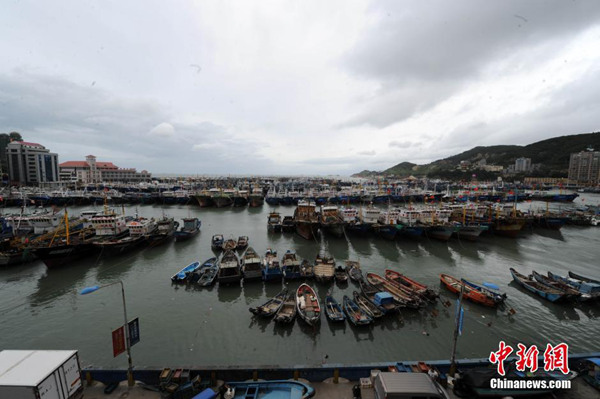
{"x":302,"y":87}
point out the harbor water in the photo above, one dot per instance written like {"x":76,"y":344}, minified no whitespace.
{"x":189,"y":326}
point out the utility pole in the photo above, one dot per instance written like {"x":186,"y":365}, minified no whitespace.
{"x":457,"y":322}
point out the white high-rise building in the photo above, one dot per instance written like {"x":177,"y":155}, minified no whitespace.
{"x":31,"y":163}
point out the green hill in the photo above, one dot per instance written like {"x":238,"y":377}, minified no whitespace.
{"x":552,"y":155}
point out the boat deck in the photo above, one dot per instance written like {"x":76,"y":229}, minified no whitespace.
{"x":324,"y":390}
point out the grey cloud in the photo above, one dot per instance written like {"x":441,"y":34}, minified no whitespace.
{"x":422,"y":53}
{"x":368,"y":153}
{"x":403,"y":144}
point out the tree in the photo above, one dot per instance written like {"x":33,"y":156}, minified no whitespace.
{"x":15,"y":136}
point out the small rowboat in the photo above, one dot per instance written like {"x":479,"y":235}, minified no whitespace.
{"x":369,"y":307}
{"x":324,"y":268}
{"x":370,"y":291}
{"x":242,"y":242}
{"x":333,"y":310}
{"x":307,"y":304}
{"x":287,"y":311}
{"x":453,"y":284}
{"x":216,"y":242}
{"x":353,"y":270}
{"x":209,"y":271}
{"x":582,"y":278}
{"x":400,"y":294}
{"x":272,"y":306}
{"x":570,"y":292}
{"x":539,"y":289}
{"x":183,"y":275}
{"x":355,"y":314}
{"x":421,"y":289}
{"x":229,"y":244}
{"x":585,"y":288}
{"x":495,"y":295}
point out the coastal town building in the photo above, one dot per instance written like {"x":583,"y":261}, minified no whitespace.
{"x":31,"y":163}
{"x":93,"y":171}
{"x":522,"y":165}
{"x":584,"y":167}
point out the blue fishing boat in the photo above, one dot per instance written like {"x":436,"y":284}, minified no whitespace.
{"x":271,"y":270}
{"x":277,"y":389}
{"x":355,"y":314}
{"x":217,"y":242}
{"x":191,"y":227}
{"x":182,"y":275}
{"x":487,"y":290}
{"x":584,"y":287}
{"x":207,"y":273}
{"x":539,"y":289}
{"x":333,"y":310}
{"x":291,"y":266}
{"x":582,"y":278}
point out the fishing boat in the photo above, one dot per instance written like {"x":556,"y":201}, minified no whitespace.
{"x":204,"y":199}
{"x":307,"y":304}
{"x":223,"y":198}
{"x":324,"y":267}
{"x":272,"y":306}
{"x":570,"y":292}
{"x":421,"y":289}
{"x":582,"y":278}
{"x":583,"y":287}
{"x":271,"y":270}
{"x":333,"y":310}
{"x":487,"y":290}
{"x":191,"y":228}
{"x":340,"y":274}
{"x":165,"y":231}
{"x":306,"y":219}
{"x":240,"y":198}
{"x":229,"y":268}
{"x":274,"y":222}
{"x":290,"y":266}
{"x":401,"y":295}
{"x":275,"y":389}
{"x":455,"y":285}
{"x":537,"y":288}
{"x":182,"y":275}
{"x":330,"y":220}
{"x":355,"y":314}
{"x":207,"y":273}
{"x":287,"y":311}
{"x":287,"y":225}
{"x":383,"y":299}
{"x":367,"y":306}
{"x":216,"y":242}
{"x":251,"y":265}
{"x":257,"y":198}
{"x":229,"y":244}
{"x":242,"y":242}
{"x":353,"y":270}
{"x":306,"y":269}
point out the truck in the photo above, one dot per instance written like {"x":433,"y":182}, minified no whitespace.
{"x":40,"y":374}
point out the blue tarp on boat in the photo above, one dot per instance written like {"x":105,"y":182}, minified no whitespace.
{"x":206,"y":394}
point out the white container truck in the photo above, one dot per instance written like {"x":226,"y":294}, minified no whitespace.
{"x":40,"y":374}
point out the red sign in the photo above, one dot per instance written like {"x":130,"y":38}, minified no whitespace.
{"x":555,"y":357}
{"x":118,"y":338}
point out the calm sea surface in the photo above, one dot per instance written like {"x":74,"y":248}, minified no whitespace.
{"x":41,"y":308}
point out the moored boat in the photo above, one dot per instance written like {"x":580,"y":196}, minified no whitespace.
{"x":207,"y":273}
{"x":307,"y":304}
{"x":216,"y":242}
{"x":333,"y":310}
{"x":190,"y":228}
{"x":183,"y":275}
{"x":355,"y":314}
{"x":383,"y":299}
{"x":229,"y":244}
{"x":330,"y":220}
{"x":402,"y":296}
{"x":274,"y":222}
{"x":324,"y":269}
{"x":271,"y":389}
{"x":165,"y":231}
{"x":340,"y":274}
{"x":421,"y":289}
{"x":242,"y":242}
{"x":287,"y":224}
{"x":290,"y":265}
{"x":353,"y":270}
{"x":271,"y":270}
{"x":583,"y":278}
{"x":306,"y":269}
{"x":229,"y":268}
{"x":492,"y":293}
{"x":537,"y":288}
{"x":272,"y":306}
{"x":584,"y":287}
{"x":569,"y":292}
{"x":306,"y":219}
{"x":367,"y":306}
{"x":251,"y":265}
{"x":287,"y":311}
{"x":455,"y":285}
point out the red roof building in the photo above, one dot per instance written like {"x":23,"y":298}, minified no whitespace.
{"x":91,"y":171}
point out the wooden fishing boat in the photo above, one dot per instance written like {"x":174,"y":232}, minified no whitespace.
{"x":272,"y":306}
{"x":251,"y":265}
{"x":369,"y":307}
{"x":229,"y":268}
{"x":582,"y":278}
{"x":182,"y":275}
{"x":274,"y":222}
{"x":290,"y":265}
{"x":537,"y":288}
{"x":372,"y":292}
{"x":271,"y":270}
{"x":242,"y":242}
{"x":210,"y":269}
{"x":340,"y":274}
{"x":422,"y":289}
{"x":165,"y":231}
{"x":306,"y":269}
{"x":191,"y":228}
{"x":333,"y":310}
{"x":495,"y":295}
{"x":355,"y":314}
{"x":287,"y":225}
{"x":585,"y":288}
{"x":400,"y":295}
{"x":454,"y":285}
{"x":570,"y":292}
{"x":306,"y":219}
{"x":324,"y":268}
{"x":287,"y":311}
{"x":229,"y":244}
{"x":307,"y":304}
{"x":353,"y":270}
{"x":216,"y":242}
